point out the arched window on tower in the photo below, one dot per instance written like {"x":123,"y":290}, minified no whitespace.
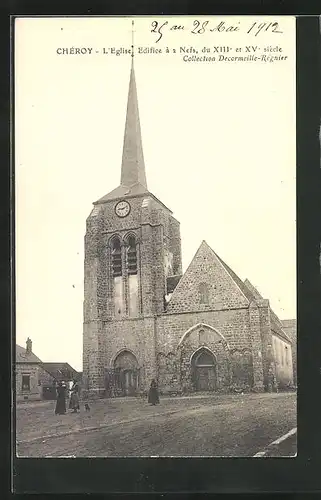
{"x":203,"y":293}
{"x":116,"y":265}
{"x":131,"y":255}
{"x":131,"y":267}
{"x":116,"y":257}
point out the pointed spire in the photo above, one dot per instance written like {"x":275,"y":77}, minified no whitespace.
{"x":133,"y":166}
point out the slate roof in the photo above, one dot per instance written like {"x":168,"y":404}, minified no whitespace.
{"x":60,"y":371}
{"x":251,"y":293}
{"x":288,"y":323}
{"x":236,"y":279}
{"x":133,"y":177}
{"x":123,"y":191}
{"x":172,"y":282}
{"x":290,"y":327}
{"x":23,"y":357}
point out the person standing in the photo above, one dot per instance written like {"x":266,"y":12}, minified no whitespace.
{"x":61,"y":399}
{"x":74,"y":398}
{"x":153,"y":397}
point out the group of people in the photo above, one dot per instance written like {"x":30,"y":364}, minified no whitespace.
{"x":61,"y":398}
{"x":153,"y":397}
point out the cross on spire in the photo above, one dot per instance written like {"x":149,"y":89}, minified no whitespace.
{"x":132,"y":54}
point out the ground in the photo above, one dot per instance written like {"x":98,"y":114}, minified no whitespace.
{"x":208,"y":425}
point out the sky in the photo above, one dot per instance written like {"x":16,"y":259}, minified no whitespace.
{"x":219,"y":148}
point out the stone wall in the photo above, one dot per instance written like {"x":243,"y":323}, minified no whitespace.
{"x":93,"y":369}
{"x":283,"y":362}
{"x":45,"y":378}
{"x":290,"y":328}
{"x":157,"y":344}
{"x":206,"y":271}
{"x":175,"y":245}
{"x":225,"y":333}
{"x":35,"y":391}
{"x":208,"y":338}
{"x":105,"y":333}
{"x":266,"y":345}
{"x":136,"y":336}
{"x":207,"y":303}
{"x":257,"y":349}
{"x":233,"y":324}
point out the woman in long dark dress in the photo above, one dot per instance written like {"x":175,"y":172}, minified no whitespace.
{"x":61,"y":399}
{"x":153,"y":397}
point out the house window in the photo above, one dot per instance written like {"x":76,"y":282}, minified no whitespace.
{"x":287,"y":355}
{"x":26,"y":382}
{"x":203,"y":293}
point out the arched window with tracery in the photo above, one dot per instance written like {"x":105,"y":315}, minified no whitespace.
{"x":117,"y":271}
{"x":131,"y":255}
{"x":131,"y":268}
{"x":203,"y":291}
{"x":116,"y":257}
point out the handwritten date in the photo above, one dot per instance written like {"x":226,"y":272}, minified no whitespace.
{"x":200,"y":28}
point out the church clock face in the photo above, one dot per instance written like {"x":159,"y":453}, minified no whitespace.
{"x":122,"y":208}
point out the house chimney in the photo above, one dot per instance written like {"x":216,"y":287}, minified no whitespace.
{"x":29,"y":345}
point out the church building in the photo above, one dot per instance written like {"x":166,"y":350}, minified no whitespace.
{"x":204,"y":330}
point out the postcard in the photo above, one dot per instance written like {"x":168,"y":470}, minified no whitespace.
{"x":155,"y":168}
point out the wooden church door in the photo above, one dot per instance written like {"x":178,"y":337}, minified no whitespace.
{"x":205,"y":371}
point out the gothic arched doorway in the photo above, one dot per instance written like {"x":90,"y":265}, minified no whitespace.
{"x":126,"y":373}
{"x":204,"y":370}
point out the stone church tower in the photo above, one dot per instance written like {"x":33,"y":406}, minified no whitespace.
{"x":132,"y":245}
{"x":204,"y":331}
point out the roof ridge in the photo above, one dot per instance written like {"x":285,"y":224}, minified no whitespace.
{"x":22,"y":356}
{"x":242,"y":286}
